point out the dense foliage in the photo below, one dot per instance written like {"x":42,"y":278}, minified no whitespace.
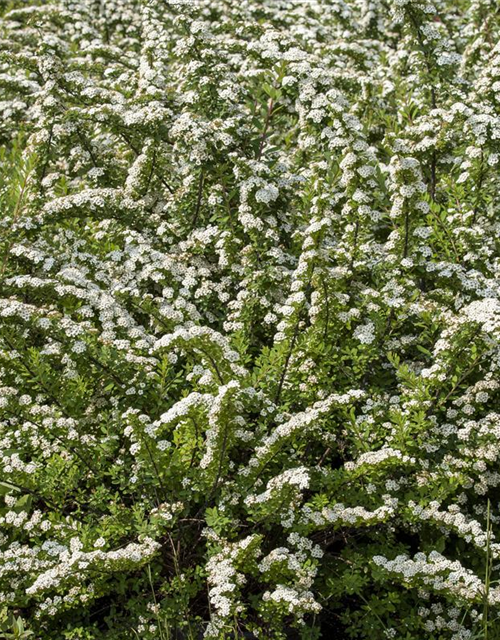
{"x":249,"y":319}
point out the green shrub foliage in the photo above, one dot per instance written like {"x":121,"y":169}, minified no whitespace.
{"x":249,"y":319}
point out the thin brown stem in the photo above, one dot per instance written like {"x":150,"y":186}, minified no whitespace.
{"x":199,"y":197}
{"x":270,"y":110}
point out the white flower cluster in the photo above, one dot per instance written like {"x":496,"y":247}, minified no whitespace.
{"x":74,"y":564}
{"x":486,"y":313}
{"x":454,"y":519}
{"x":298,"y":478}
{"x":437,"y":573}
{"x":224,"y":580}
{"x":308,"y":419}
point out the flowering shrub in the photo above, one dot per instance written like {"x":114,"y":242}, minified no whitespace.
{"x":249,"y":319}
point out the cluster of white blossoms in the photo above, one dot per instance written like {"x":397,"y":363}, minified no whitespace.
{"x":454,"y":519}
{"x":340,"y":515}
{"x":249,"y":318}
{"x":296,"y":602}
{"x":73,"y":564}
{"x":298,"y":478}
{"x":301,"y":562}
{"x":365,"y":333}
{"x":485,"y":312}
{"x":224,"y":580}
{"x":438,"y":574}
